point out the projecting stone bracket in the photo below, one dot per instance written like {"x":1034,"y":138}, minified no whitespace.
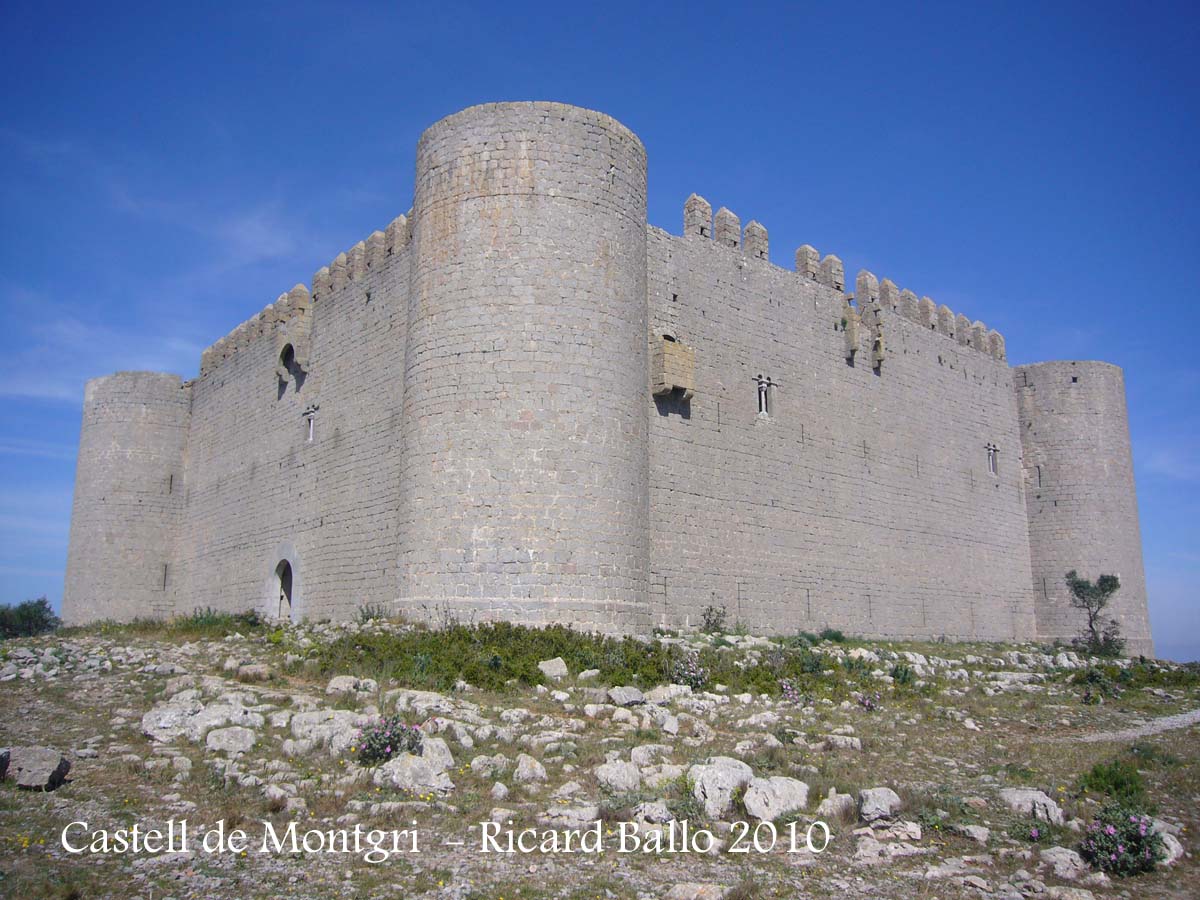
{"x":672,"y":367}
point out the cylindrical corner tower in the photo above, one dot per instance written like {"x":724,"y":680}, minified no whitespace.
{"x":1080,"y":494}
{"x":524,"y":486}
{"x":128,"y":498}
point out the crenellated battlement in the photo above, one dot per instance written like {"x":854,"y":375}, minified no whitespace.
{"x":872,"y":296}
{"x":289,"y":317}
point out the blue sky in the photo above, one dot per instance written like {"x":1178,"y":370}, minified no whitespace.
{"x":166,"y":171}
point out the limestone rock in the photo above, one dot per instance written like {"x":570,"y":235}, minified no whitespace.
{"x":626,"y":696}
{"x":654,"y":812}
{"x":1058,"y":892}
{"x":554,"y":669}
{"x":340,"y":685}
{"x":695,"y":891}
{"x":770,"y":798}
{"x":166,"y":721}
{"x":645,"y":754}
{"x":715,"y":781}
{"x":835,"y":806}
{"x":231,"y":741}
{"x":570,"y":816}
{"x":435,"y":752}
{"x":842,"y":742}
{"x":1174,"y":849}
{"x":490,"y":766}
{"x":619,"y":777}
{"x":254,"y":672}
{"x":977,"y":833}
{"x":414,"y":774}
{"x":222,"y":711}
{"x":332,"y":728}
{"x":665,"y":693}
{"x":1033,"y":803}
{"x":528,"y":770}
{"x":1067,"y":864}
{"x":878,"y":803}
{"x":37,"y":768}
{"x":872,"y":852}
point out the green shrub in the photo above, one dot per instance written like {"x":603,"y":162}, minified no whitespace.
{"x":682,"y":802}
{"x":497,"y":655}
{"x":209,"y":623}
{"x":1119,"y":779}
{"x":1143,"y":674}
{"x":855,"y":666}
{"x":33,"y":617}
{"x":903,"y":675}
{"x":712,"y":620}
{"x":490,"y":655}
{"x":687,"y":670}
{"x":834,"y":635}
{"x":1121,"y":841}
{"x":1098,"y":682}
{"x":370,"y":611}
{"x":1145,"y":752}
{"x":1036,"y":831}
{"x":384,"y":738}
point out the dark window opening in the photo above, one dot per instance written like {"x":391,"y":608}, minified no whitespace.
{"x":287,"y":357}
{"x":1074,"y":379}
{"x":993,"y":460}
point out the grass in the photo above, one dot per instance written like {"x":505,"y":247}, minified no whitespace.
{"x":500,"y":656}
{"x":1118,"y":779}
{"x":201,"y":624}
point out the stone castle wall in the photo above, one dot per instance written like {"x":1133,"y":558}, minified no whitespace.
{"x":259,"y":491}
{"x":488,"y":437}
{"x":1080,"y":493}
{"x":129,"y":498}
{"x":523,"y":491}
{"x":863,"y":499}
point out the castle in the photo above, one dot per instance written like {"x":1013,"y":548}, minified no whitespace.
{"x":520,"y":401}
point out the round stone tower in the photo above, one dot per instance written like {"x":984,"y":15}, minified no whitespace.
{"x":1080,"y":494}
{"x":524,"y":486}
{"x":128,"y":498}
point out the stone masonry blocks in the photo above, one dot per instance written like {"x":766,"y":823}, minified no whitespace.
{"x":523,"y":486}
{"x":473,"y":425}
{"x":1080,"y":495}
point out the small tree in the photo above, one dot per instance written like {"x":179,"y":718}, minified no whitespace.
{"x":1100,"y":637}
{"x":28,"y":619}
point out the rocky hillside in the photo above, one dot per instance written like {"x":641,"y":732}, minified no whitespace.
{"x":940,"y":770}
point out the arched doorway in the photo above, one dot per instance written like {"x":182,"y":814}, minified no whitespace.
{"x":283,"y":590}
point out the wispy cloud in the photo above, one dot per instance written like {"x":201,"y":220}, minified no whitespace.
{"x":52,"y":343}
{"x":12,"y":446}
{"x":58,"y":351}
{"x":30,"y":572}
{"x":1172,"y":463}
